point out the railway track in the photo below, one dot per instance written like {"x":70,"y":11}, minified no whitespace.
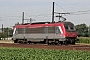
{"x":45,"y":46}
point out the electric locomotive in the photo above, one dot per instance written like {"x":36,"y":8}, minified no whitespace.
{"x":46,"y":33}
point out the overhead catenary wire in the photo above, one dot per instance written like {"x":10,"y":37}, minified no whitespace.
{"x":78,"y":5}
{"x":61,"y":7}
{"x":80,"y":12}
{"x":43,"y":15}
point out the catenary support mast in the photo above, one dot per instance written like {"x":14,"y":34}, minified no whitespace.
{"x":23,"y":18}
{"x":53,"y":13}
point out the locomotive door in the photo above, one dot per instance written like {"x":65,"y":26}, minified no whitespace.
{"x":57,"y":32}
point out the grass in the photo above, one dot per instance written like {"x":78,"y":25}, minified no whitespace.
{"x":84,"y":40}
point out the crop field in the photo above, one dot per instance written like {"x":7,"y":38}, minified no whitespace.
{"x":41,"y":54}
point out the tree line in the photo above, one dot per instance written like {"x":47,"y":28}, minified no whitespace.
{"x":82,"y":29}
{"x":6,"y":32}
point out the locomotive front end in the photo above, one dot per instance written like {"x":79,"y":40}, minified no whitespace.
{"x":70,"y":33}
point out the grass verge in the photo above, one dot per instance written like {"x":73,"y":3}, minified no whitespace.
{"x":84,"y":40}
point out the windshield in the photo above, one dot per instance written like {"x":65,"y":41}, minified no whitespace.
{"x":70,"y":28}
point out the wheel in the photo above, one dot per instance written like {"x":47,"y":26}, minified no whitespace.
{"x":59,"y":43}
{"x":29,"y":42}
{"x":65,"y":42}
{"x":73,"y":42}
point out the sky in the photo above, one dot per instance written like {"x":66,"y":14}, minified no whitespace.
{"x":41,"y":11}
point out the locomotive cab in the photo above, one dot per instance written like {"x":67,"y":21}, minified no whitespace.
{"x":70,"y":32}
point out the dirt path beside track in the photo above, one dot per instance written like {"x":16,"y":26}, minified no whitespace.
{"x":44,"y":46}
{"x":6,"y":41}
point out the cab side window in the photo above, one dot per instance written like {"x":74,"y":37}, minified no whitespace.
{"x":16,"y":32}
{"x":57,"y":30}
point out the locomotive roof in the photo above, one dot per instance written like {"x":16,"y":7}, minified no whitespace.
{"x":67,"y":23}
{"x":45,"y":23}
{"x":41,"y":24}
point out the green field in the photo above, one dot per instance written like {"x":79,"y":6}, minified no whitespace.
{"x":41,"y":54}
